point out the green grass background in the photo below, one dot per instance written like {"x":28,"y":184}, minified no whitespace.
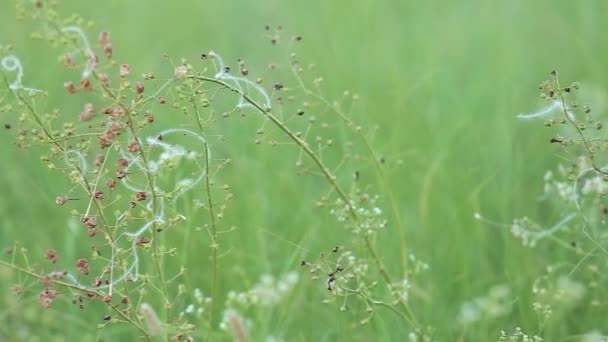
{"x":442,"y":79}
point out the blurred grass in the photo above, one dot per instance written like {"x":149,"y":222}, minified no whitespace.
{"x":443,"y":81}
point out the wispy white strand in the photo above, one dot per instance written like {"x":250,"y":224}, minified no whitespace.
{"x":11,"y":63}
{"x":556,"y":104}
{"x":237,"y":82}
{"x":555,"y":228}
{"x":537,"y":235}
{"x":169,"y":151}
{"x":82,"y":168}
{"x":85,"y":46}
{"x":575,"y":186}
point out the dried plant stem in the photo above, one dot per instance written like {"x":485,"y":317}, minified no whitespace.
{"x":214,"y":237}
{"x":150,"y":179}
{"x":85,"y":183}
{"x":119,"y":311}
{"x":579,"y":131}
{"x":330,"y":178}
{"x":379,"y":168}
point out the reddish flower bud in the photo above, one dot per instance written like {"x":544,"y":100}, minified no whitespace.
{"x":86,"y":85}
{"x":89,"y":221}
{"x":68,"y":60}
{"x":134,"y":147}
{"x":111,"y":183}
{"x":108,"y":50}
{"x":98,"y":195}
{"x":46,"y":297}
{"x":99,"y":159}
{"x":51,"y":255}
{"x":120,"y":174}
{"x":70,"y":87}
{"x":141,"y":196}
{"x":139,"y":87}
{"x":83,"y":266}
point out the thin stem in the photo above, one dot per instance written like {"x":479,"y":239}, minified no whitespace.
{"x":77,"y":288}
{"x":584,"y":139}
{"x":378,"y":165}
{"x":214,"y":237}
{"x":331,"y":179}
{"x":150,"y":180}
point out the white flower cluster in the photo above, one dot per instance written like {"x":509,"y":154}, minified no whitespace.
{"x":269,"y":291}
{"x":594,"y":336}
{"x":518,"y":336}
{"x":354,"y":267}
{"x":529,"y":232}
{"x":369,"y":215}
{"x":568,"y":290}
{"x":496,"y":303}
{"x":576,"y":182}
{"x":418,"y":265}
{"x":542,"y":310}
{"x":400,"y":291}
{"x":200,"y":301}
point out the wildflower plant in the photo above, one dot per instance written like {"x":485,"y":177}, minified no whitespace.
{"x":136,"y":183}
{"x":576,"y":190}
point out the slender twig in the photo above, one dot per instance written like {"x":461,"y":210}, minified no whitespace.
{"x":77,"y":288}
{"x":330,"y":178}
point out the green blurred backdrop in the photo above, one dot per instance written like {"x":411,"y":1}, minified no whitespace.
{"x":442,"y":79}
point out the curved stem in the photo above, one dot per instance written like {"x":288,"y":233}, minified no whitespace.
{"x":77,"y":288}
{"x":330,"y":178}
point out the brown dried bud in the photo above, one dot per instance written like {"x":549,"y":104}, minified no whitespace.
{"x":104,"y":37}
{"x":86,"y":85}
{"x":46,"y":297}
{"x":99,"y":159}
{"x":106,"y":298}
{"x":141,"y":196}
{"x":46,"y":281}
{"x":111,"y":183}
{"x":139,"y":87}
{"x":68,"y":60}
{"x":51,"y":255}
{"x":61,"y":200}
{"x":98,"y":195}
{"x":83,"y":266}
{"x":142,"y":241}
{"x":125,"y":70}
{"x":89,"y":221}
{"x":133,"y":147}
{"x":103,"y":78}
{"x":70,"y":87}
{"x":120,"y":174}
{"x":97,"y":281}
{"x":108,"y":50}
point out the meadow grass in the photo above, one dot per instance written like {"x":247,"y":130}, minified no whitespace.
{"x":442,"y":81}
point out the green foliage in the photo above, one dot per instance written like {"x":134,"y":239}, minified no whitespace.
{"x":418,"y":108}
